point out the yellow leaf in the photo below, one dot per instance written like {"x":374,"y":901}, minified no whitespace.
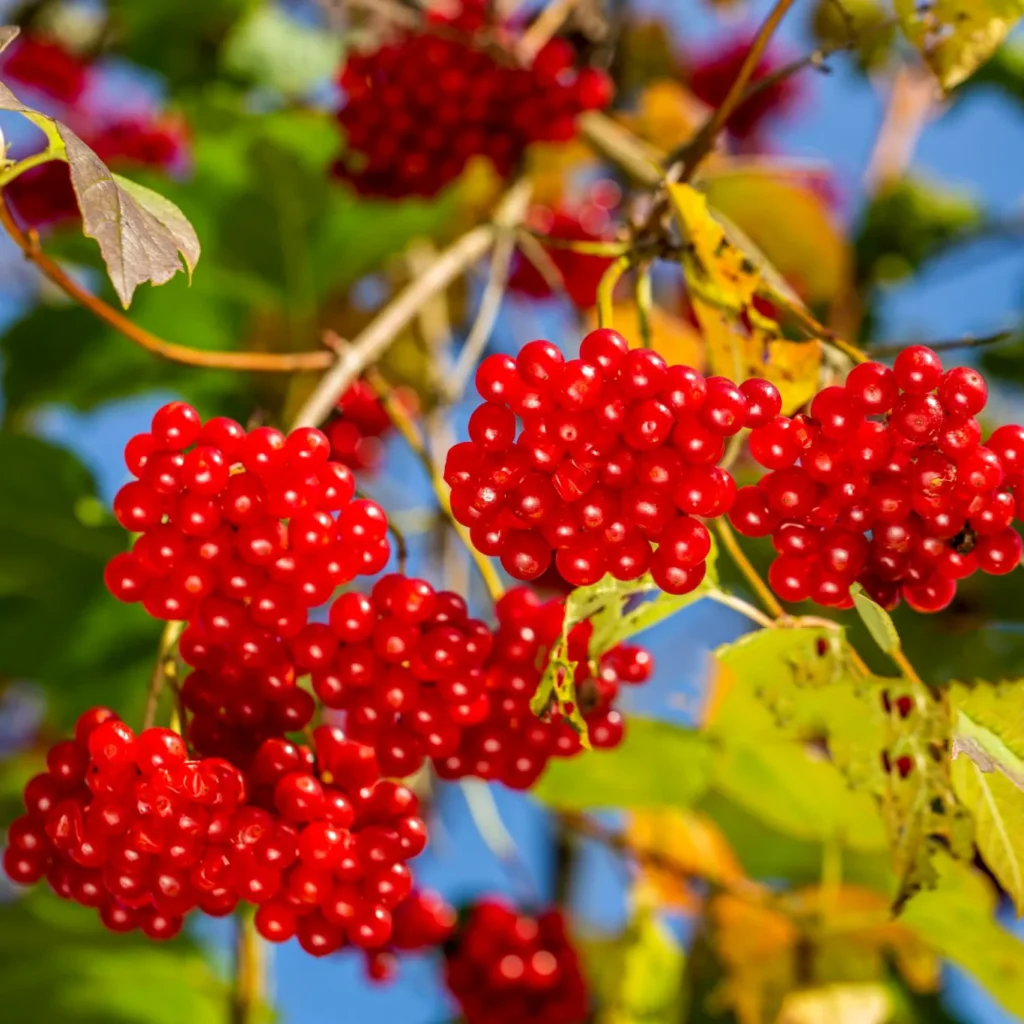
{"x":790,"y":223}
{"x":692,"y":842}
{"x":838,"y":1004}
{"x":957,"y":36}
{"x":741,"y":341}
{"x":672,"y":337}
{"x":667,"y":115}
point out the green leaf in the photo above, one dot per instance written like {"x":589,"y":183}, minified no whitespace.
{"x":57,"y":963}
{"x":957,"y":918}
{"x":271,"y":48}
{"x":605,"y":605}
{"x":656,"y":765}
{"x":877,"y":619}
{"x":956,"y":37}
{"x":989,"y":780}
{"x":637,"y":976}
{"x":816,"y":726}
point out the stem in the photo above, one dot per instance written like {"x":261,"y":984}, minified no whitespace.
{"x":946,"y":346}
{"x":490,"y":303}
{"x":247,"y":991}
{"x":256,"y":362}
{"x":606,"y":290}
{"x":410,"y":432}
{"x":729,"y":542}
{"x":44,"y":156}
{"x":621,"y":147}
{"x":401,"y":546}
{"x":701,"y":145}
{"x":371,"y":342}
{"x":737,"y":604}
{"x":496,"y":836}
{"x":907,"y":669}
{"x":164,"y":671}
{"x":811,"y":325}
{"x":644,"y":303}
{"x":547,"y":23}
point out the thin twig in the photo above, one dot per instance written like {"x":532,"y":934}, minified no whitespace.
{"x":737,"y":604}
{"x":704,"y":140}
{"x":752,"y":576}
{"x":883,"y":351}
{"x":256,"y":362}
{"x":911,"y":102}
{"x":496,"y":836}
{"x":411,"y":433}
{"x":367,"y":347}
{"x":494,"y":292}
{"x":638,"y":159}
{"x":543,"y":29}
{"x":813,"y":328}
{"x":247,"y":990}
{"x":165,"y":670}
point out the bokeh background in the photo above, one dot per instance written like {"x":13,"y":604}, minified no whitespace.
{"x":972,"y":151}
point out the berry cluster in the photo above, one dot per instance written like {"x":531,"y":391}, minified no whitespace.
{"x":506,"y":967}
{"x":356,"y":431}
{"x":420,"y":106}
{"x":512,"y":745}
{"x":46,"y":66}
{"x":423,"y":920}
{"x":886,"y":483}
{"x":617,"y":452}
{"x":128,"y":825}
{"x":581,"y":273}
{"x":241,"y":534}
{"x":405,"y":664}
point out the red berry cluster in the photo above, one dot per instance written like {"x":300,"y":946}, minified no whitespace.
{"x":581,"y":273}
{"x":46,"y":66}
{"x":506,"y":967}
{"x":330,"y":854}
{"x":512,"y":745}
{"x":241,"y":534}
{"x":714,"y":72}
{"x":405,"y":664}
{"x":420,"y":106}
{"x":356,"y":431}
{"x":423,"y":920}
{"x":128,"y":825}
{"x":617,"y":452}
{"x":886,"y":483}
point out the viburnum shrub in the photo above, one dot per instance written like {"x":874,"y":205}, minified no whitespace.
{"x":507,"y":967}
{"x":886,"y":482}
{"x":419,"y":107}
{"x":592,"y":461}
{"x":511,"y":744}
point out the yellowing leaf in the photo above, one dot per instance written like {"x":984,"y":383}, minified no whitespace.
{"x":989,"y":730}
{"x":957,"y":36}
{"x":672,"y":337}
{"x":790,"y":223}
{"x":692,"y":843}
{"x":722,"y":280}
{"x":808,"y":940}
{"x":838,"y":1004}
{"x":667,"y":115}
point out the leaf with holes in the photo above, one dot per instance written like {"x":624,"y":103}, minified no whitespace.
{"x":988,"y":774}
{"x":957,"y":36}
